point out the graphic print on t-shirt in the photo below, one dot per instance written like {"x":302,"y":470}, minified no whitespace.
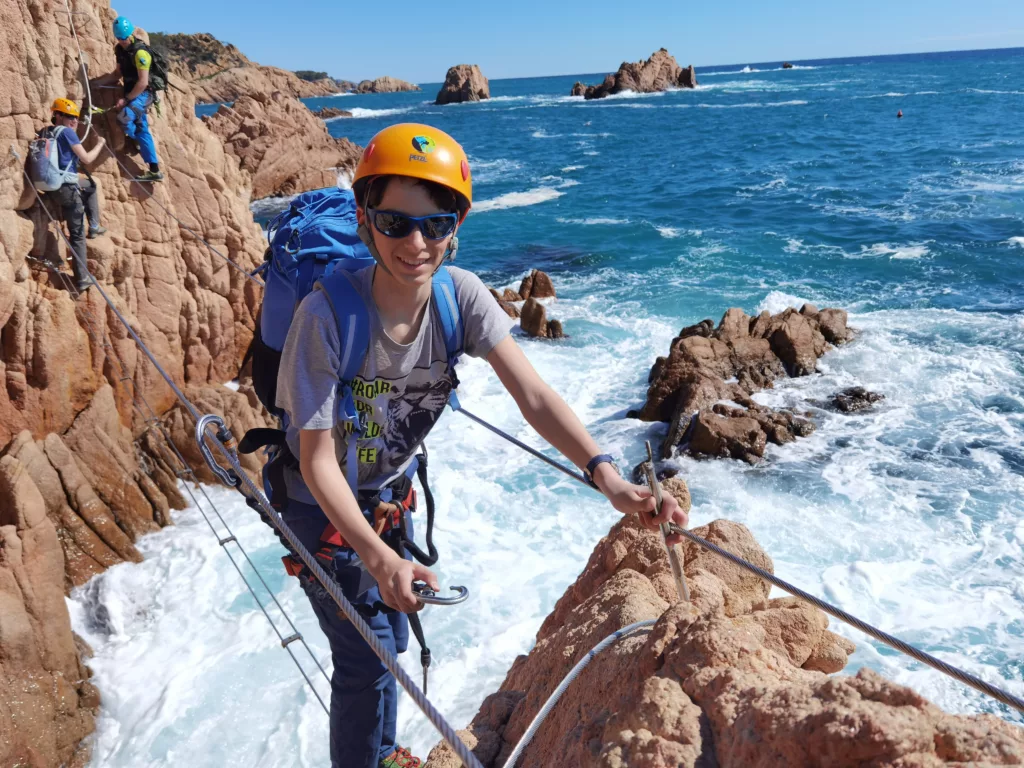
{"x":399,"y":415}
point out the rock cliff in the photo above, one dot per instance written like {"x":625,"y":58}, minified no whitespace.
{"x":658,"y":73}
{"x":217,"y":71}
{"x":733,"y":679}
{"x":285,"y":147}
{"x":464,"y":82}
{"x":83,"y":472}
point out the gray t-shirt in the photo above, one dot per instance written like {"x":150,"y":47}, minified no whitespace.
{"x":403,"y":388}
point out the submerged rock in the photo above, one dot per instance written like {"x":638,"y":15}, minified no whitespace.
{"x":329,"y":113}
{"x":658,"y":73}
{"x":855,"y":399}
{"x":464,"y":82}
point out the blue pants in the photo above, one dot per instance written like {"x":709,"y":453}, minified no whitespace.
{"x":136,"y":125}
{"x":364,"y":695}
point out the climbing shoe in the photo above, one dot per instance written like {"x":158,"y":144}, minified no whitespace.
{"x":95,"y":232}
{"x":401,"y":758}
{"x":150,"y":176}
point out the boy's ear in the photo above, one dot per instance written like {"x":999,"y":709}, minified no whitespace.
{"x":360,"y":215}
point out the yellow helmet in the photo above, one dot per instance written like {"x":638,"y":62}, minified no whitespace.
{"x":421,"y":152}
{"x":65,"y":107}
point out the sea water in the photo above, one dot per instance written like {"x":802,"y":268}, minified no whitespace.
{"x":760,"y":189}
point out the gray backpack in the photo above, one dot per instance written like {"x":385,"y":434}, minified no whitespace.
{"x":44,"y":161}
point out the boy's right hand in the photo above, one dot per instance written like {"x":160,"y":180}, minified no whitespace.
{"x":395,"y":576}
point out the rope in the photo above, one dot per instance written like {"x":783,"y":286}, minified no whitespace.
{"x":893,"y":642}
{"x":542,"y":715}
{"x":152,"y":419}
{"x":81,"y":61}
{"x":925,"y":658}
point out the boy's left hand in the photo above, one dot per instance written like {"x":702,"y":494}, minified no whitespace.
{"x":632,"y":499}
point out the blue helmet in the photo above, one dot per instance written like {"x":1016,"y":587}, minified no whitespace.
{"x":123,"y":28}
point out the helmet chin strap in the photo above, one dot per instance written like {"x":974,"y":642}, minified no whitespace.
{"x":365,"y":235}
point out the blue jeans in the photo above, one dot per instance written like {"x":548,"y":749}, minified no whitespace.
{"x":364,"y":695}
{"x":136,"y":125}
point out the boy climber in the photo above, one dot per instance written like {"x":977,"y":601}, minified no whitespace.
{"x":413,"y":190}
{"x":77,"y":197}
{"x":134,"y":61}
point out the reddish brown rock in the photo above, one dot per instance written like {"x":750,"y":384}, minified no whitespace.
{"x":536,"y":285}
{"x":73,"y":443}
{"x":464,"y":82}
{"x":285,"y":148}
{"x":732,"y":679}
{"x":385,"y":84}
{"x":43,"y":718}
{"x":534,"y":321}
{"x":716,"y":369}
{"x":578,"y":89}
{"x":658,"y":73}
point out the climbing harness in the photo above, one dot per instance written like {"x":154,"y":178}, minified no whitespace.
{"x":674,"y":559}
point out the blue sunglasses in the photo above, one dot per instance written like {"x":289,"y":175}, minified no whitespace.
{"x":437,"y":226}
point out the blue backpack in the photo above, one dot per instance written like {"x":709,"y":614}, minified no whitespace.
{"x":315,"y":241}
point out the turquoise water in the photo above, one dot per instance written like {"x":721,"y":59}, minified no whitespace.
{"x":761,"y":189}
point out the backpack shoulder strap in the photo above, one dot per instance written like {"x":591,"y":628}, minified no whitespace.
{"x":446,"y":302}
{"x":353,"y":320}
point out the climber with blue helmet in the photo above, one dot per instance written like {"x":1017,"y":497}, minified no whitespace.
{"x":143,"y":75}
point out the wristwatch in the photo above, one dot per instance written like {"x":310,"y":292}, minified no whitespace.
{"x":588,"y":473}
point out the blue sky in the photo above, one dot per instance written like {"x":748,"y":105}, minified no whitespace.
{"x":529,"y":38}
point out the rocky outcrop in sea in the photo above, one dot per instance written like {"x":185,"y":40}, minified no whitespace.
{"x":385,"y":84}
{"x":464,"y":82}
{"x":703,"y":387}
{"x":658,"y":73}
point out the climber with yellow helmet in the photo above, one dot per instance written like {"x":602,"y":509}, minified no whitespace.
{"x":413,"y":191}
{"x":77,"y":197}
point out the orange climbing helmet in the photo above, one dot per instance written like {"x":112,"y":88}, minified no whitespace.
{"x":421,"y":152}
{"x":65,"y":107}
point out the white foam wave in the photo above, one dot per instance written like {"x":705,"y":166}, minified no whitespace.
{"x":486,"y":171}
{"x":991,"y":91}
{"x":570,"y":168}
{"x":912,"y":251}
{"x":777,"y":301}
{"x":517,"y":199}
{"x":669,"y":232}
{"x":747,"y":70}
{"x":1019,"y":241}
{"x":594,"y":221}
{"x":542,"y":134}
{"x":746,"y":105}
{"x":360,"y":112}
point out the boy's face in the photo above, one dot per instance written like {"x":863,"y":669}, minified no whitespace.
{"x":413,"y":259}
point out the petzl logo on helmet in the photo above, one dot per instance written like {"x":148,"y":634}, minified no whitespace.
{"x":424,"y":144}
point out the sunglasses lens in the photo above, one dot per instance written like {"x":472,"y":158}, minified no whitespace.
{"x":436,"y":227}
{"x":392,"y":224}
